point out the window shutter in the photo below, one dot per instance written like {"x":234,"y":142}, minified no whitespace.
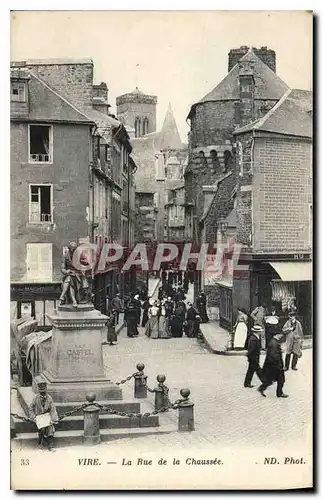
{"x":33,"y":259}
{"x":39,"y":262}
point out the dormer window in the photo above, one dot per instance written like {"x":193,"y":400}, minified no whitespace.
{"x":18,"y":91}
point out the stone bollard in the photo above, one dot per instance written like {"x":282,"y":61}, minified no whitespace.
{"x":185,"y":413}
{"x":140,"y":389}
{"x":91,"y":422}
{"x":161,"y":392}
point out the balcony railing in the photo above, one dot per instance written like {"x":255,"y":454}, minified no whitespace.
{"x":41,"y":218}
{"x":40,"y":158}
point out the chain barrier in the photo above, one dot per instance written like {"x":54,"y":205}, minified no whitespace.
{"x":169,"y":406}
{"x":20,"y":417}
{"x":126,"y":379}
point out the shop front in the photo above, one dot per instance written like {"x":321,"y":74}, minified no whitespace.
{"x":281,"y":283}
{"x":34,"y":300}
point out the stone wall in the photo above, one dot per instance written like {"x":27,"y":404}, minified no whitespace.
{"x":282,"y":194}
{"x":74,"y":81}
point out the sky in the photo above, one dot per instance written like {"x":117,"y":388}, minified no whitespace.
{"x":177,"y":55}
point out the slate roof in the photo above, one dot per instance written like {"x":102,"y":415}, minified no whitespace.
{"x":268,"y":85}
{"x":232,"y":218}
{"x":145,"y":148}
{"x":168,"y":137}
{"x":292,"y":115}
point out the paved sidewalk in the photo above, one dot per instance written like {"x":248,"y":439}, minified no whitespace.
{"x":217,"y":340}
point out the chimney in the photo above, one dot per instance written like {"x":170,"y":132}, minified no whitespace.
{"x":246,"y":92}
{"x":100,"y":98}
{"x":235,"y":55}
{"x":267,"y":56}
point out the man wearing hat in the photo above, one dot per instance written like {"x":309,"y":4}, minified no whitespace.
{"x":273,"y":369}
{"x":43,"y":403}
{"x":254,"y":348}
{"x":294,"y":340}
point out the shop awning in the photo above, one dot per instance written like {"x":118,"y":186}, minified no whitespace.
{"x":293,"y":271}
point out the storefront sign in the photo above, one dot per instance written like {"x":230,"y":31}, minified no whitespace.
{"x":23,"y":291}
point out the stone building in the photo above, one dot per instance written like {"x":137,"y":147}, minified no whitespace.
{"x":71,"y":179}
{"x":250,"y":89}
{"x":274,"y":208}
{"x":160,"y":157}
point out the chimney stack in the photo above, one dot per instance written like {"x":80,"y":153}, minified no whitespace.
{"x":100,"y":98}
{"x":267,"y":56}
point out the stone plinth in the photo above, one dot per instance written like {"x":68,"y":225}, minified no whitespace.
{"x":76,"y":364}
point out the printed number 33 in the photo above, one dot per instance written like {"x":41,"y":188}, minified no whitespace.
{"x":24,"y":461}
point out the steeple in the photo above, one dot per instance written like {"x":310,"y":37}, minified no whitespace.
{"x":169,"y":137}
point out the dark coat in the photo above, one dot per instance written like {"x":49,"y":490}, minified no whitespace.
{"x":273,"y":365}
{"x":191,"y":314}
{"x":254,"y":348}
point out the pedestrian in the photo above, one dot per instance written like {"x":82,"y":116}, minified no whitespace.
{"x":201,"y":307}
{"x":116,"y":305}
{"x":145,"y":309}
{"x":43,"y":404}
{"x":153,"y":323}
{"x":273,"y":369}
{"x":160,"y":295}
{"x":185,"y":282}
{"x":178,"y":319}
{"x":169,"y":311}
{"x":294,"y":340}
{"x":111,"y":328}
{"x":192,"y":324}
{"x":137,"y":303}
{"x":254,"y":348}
{"x":258,"y":316}
{"x":163,"y":276}
{"x":271,"y":326}
{"x":131,"y":316}
{"x":240,"y":329}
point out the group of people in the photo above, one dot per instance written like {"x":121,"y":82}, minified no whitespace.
{"x":274,"y":366}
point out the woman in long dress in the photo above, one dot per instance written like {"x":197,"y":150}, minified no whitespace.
{"x":164,"y":332}
{"x":240,"y":330}
{"x":152,"y":328}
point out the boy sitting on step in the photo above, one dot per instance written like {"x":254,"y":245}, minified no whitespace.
{"x":43,"y":404}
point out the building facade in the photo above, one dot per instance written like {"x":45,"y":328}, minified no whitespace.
{"x":71,"y":179}
{"x":274,"y":208}
{"x":250,"y":89}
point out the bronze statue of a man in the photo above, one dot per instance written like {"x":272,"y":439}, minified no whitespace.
{"x":74,"y":281}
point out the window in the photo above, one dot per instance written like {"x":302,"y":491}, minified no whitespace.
{"x":40,"y":203}
{"x":40,"y":144}
{"x":228,"y":160}
{"x":18,"y":91}
{"x":137,"y":127}
{"x":145,"y":126}
{"x":215,"y":160}
{"x":39,"y":262}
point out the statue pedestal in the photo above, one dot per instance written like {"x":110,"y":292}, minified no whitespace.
{"x":76,"y":365}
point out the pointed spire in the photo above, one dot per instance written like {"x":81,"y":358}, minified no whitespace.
{"x":169,"y":137}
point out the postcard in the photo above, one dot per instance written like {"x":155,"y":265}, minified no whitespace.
{"x":161,"y":250}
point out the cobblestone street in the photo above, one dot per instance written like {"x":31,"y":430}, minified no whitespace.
{"x":225,"y":412}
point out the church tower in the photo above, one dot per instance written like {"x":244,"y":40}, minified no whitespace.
{"x":137,"y":111}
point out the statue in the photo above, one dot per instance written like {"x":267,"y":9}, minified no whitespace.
{"x":75,"y":284}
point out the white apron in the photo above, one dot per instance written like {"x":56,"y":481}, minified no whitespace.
{"x":240,"y":335}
